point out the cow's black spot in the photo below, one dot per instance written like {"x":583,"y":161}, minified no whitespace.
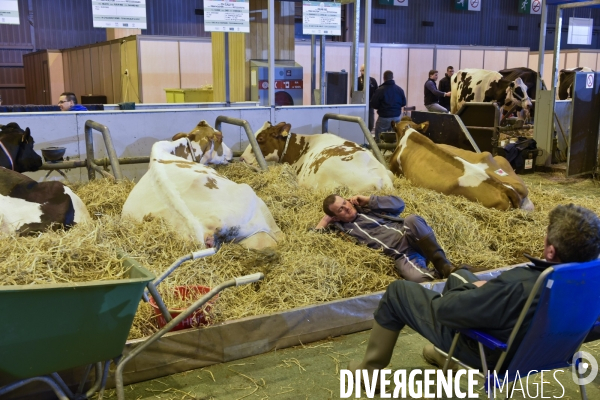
{"x":479,"y":83}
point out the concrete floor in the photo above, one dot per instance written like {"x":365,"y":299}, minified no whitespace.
{"x":311,"y":371}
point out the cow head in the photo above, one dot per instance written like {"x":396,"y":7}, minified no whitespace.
{"x":205,"y":145}
{"x":16,"y":149}
{"x":272,"y":142}
{"x":516,"y":93}
{"x":404,"y":124}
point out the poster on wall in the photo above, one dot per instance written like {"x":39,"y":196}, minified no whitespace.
{"x":321,"y":18}
{"x":467,"y":5}
{"x":227,"y":16}
{"x":393,"y":2}
{"x":530,"y":6}
{"x":9,"y":12}
{"x":129,"y":14}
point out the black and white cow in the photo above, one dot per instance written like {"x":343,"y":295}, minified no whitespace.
{"x":16,"y":149}
{"x":29,"y":207}
{"x":480,"y":85}
{"x":527,"y":75}
{"x":566,"y":78}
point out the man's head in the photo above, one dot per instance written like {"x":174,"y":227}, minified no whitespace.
{"x":362,"y":70}
{"x":450,"y":70}
{"x":573,"y":235}
{"x":433,"y":74}
{"x":66,"y":101}
{"x":339,"y":208}
{"x":388,"y":76}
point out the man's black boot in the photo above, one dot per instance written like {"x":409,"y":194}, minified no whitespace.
{"x":430,"y":248}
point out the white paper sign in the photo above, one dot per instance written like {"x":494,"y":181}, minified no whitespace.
{"x":580,"y":31}
{"x":9,"y":12}
{"x":589,"y":81}
{"x":227,"y":16}
{"x":119,"y":14}
{"x":321,"y":18}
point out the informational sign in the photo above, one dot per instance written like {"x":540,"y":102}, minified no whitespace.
{"x":119,"y":14}
{"x":530,"y":6}
{"x":393,"y":2}
{"x":589,"y":81}
{"x":467,"y":5}
{"x":580,"y":31}
{"x":9,"y":12}
{"x":227,"y":16}
{"x":321,"y":18}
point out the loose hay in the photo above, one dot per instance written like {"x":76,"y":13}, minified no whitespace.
{"x":306,"y":268}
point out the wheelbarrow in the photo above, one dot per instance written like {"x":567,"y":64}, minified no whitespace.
{"x":53,"y":327}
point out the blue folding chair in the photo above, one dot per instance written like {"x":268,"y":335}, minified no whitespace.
{"x":567,"y":310}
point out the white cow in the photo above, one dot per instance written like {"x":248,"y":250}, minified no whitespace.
{"x":198,"y":202}
{"x":204,"y":144}
{"x":321,"y":161}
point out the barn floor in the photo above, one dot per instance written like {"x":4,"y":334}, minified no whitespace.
{"x":311,"y":371}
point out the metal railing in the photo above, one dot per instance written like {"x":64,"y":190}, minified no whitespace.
{"x":251,"y":138}
{"x":363,"y":127}
{"x":89,"y":149}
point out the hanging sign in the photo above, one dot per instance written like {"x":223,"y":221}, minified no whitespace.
{"x":129,"y":14}
{"x":467,"y":5}
{"x":393,"y":2}
{"x":321,"y":18}
{"x":227,"y":16}
{"x":9,"y":12}
{"x":530,"y":6}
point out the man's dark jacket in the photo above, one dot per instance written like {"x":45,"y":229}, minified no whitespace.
{"x":493,"y":308}
{"x":445,"y":86}
{"x":372,"y":85}
{"x":388,"y":100}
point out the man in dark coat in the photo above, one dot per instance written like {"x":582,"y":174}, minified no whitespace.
{"x":466,"y":302}
{"x":388,"y":100}
{"x":445,"y":86}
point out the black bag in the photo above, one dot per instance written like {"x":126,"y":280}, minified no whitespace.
{"x":514,"y":152}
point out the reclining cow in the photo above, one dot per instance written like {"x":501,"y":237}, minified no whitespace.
{"x":452,"y":171}
{"x":16,"y":149}
{"x":321,"y":161}
{"x":198,"y":202}
{"x":480,"y":85}
{"x":204,"y":145}
{"x":566,"y":78}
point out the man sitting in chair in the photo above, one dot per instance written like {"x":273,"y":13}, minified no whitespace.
{"x":493,"y":306}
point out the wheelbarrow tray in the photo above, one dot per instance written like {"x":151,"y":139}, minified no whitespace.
{"x":52,"y":327}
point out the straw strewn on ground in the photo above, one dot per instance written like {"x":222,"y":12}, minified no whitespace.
{"x":306,"y":268}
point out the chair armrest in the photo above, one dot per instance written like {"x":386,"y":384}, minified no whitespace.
{"x":485,"y":339}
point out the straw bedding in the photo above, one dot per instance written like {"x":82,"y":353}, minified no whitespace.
{"x":306,"y":268}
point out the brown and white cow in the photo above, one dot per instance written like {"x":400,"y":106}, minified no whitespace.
{"x":16,"y":149}
{"x":321,"y":161}
{"x":453,"y":171}
{"x":566,"y":78}
{"x":198,"y":202}
{"x":480,"y":85}
{"x":204,"y":145}
{"x":29,"y":207}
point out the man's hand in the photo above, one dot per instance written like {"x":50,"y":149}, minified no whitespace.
{"x":326,"y":220}
{"x":359,"y":200}
{"x":479,"y":283}
{"x":448,"y":94}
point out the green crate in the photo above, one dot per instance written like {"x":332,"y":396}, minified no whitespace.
{"x":53,"y":327}
{"x":189,"y":95}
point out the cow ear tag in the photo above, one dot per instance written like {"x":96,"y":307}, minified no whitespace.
{"x":501,"y":172}
{"x":284,"y":133}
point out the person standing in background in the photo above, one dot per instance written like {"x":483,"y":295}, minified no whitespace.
{"x":372,"y":89}
{"x":388,"y":100}
{"x":446,"y":86}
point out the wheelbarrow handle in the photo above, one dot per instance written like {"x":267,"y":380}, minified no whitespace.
{"x":203,"y":253}
{"x":243,"y":280}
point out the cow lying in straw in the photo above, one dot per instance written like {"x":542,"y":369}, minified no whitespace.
{"x":198,"y":202}
{"x":322,"y":161}
{"x":204,"y":144}
{"x":452,"y":171}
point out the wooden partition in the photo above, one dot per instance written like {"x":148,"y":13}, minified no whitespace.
{"x":44,"y":80}
{"x":494,"y":60}
{"x":447,"y":57}
{"x":548,"y":60}
{"x":471,"y":59}
{"x":518,"y":58}
{"x":395,"y":59}
{"x":420,"y":62}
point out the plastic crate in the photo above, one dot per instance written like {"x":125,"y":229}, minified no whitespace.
{"x":189,"y":95}
{"x":53,"y":327}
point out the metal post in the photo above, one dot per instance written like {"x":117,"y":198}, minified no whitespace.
{"x":110,"y":149}
{"x":271,"y":43}
{"x":322,"y":74}
{"x":557,"y":37}
{"x":542,"y":48}
{"x":31,"y":24}
{"x":227,"y":98}
{"x":367,"y":57}
{"x":355,"y":41}
{"x":251,"y":138}
{"x":313,"y":68}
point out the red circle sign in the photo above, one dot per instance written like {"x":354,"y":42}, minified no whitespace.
{"x":535,"y":5}
{"x":401,"y":1}
{"x":474,"y":3}
{"x":590,"y":80}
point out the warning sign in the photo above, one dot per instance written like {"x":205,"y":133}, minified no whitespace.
{"x":589,"y":81}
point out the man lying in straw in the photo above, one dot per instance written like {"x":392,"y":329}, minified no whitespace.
{"x":374,"y":221}
{"x":494,"y":306}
